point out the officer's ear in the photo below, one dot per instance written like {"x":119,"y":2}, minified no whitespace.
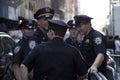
{"x":51,"y":34}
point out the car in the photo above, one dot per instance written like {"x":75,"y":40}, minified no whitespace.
{"x":7,"y":43}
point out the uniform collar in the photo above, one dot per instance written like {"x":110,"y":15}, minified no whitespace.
{"x":57,"y":40}
{"x":40,"y":32}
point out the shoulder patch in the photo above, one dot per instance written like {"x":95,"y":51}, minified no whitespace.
{"x":17,"y":49}
{"x":32,"y":44}
{"x":98,"y":40}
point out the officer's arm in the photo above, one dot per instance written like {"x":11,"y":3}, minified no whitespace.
{"x":24,"y":72}
{"x":100,"y":49}
{"x":16,"y":70}
{"x":98,"y":61}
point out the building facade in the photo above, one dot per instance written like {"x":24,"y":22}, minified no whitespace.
{"x":114,"y":18}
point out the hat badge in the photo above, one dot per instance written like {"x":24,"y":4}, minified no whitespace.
{"x":47,"y":10}
{"x":87,"y":41}
{"x":73,"y":24}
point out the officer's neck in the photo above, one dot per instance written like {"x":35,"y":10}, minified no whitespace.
{"x":74,"y":39}
{"x":43,"y":30}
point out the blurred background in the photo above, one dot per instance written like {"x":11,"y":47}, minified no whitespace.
{"x":105,"y":12}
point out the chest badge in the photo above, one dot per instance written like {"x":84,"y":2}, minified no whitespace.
{"x":43,"y":38}
{"x":87,"y":41}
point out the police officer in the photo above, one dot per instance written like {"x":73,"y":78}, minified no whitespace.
{"x":93,"y":47}
{"x":72,"y":39}
{"x":21,"y":48}
{"x":42,"y":16}
{"x":39,"y":35}
{"x":54,"y":60}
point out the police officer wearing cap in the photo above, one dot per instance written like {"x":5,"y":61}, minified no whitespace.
{"x":26,"y":27}
{"x":42,"y":16}
{"x":54,"y":59}
{"x":39,"y":35}
{"x":93,"y":47}
{"x":72,"y":39}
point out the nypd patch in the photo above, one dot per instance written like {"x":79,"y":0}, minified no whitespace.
{"x":98,"y":40}
{"x":17,"y":49}
{"x":32,"y":44}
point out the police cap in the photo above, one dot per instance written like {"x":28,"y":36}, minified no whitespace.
{"x":71,"y":23}
{"x":44,"y":12}
{"x":81,"y":19}
{"x":27,"y":24}
{"x":58,"y":23}
{"x":58,"y":26}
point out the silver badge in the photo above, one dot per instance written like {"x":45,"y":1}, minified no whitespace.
{"x":17,"y":49}
{"x":47,"y":15}
{"x":47,"y":9}
{"x":98,"y":40}
{"x":32,"y":44}
{"x":87,"y":41}
{"x":43,"y":38}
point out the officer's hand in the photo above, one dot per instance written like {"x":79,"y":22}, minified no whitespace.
{"x":92,"y":69}
{"x":50,"y":34}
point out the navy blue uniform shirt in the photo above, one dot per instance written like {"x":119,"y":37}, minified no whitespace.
{"x":92,"y":44}
{"x":20,"y":51}
{"x":38,"y":36}
{"x":76,"y":44}
{"x":27,"y":44}
{"x":55,"y":60}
